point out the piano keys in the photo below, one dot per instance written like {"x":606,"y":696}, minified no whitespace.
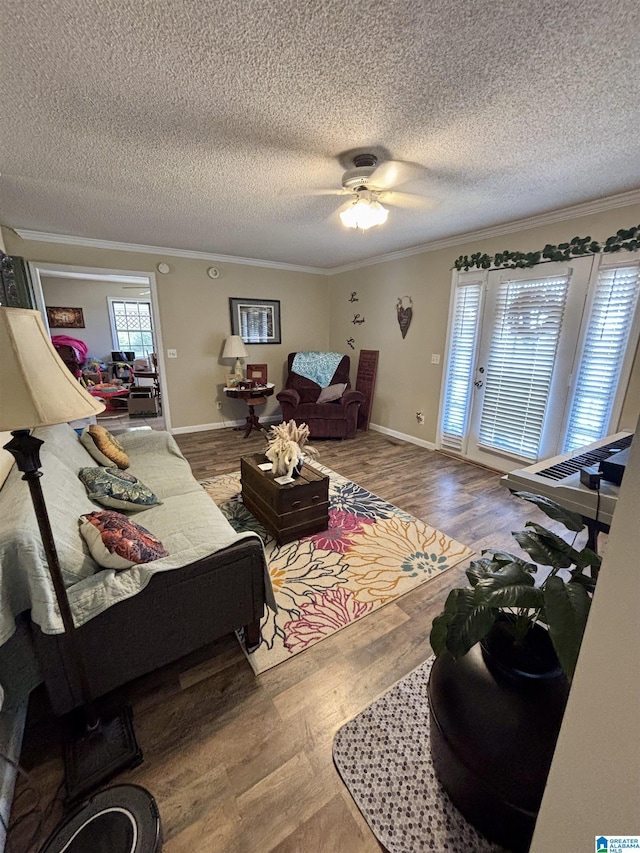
{"x":558,"y":478}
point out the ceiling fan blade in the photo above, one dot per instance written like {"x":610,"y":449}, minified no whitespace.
{"x":409,"y":201}
{"x":307,"y":193}
{"x":327,"y":192}
{"x":395,"y":173}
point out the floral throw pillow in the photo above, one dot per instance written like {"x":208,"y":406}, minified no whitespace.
{"x":115,"y":542}
{"x":117,"y":489}
{"x":103,"y":446}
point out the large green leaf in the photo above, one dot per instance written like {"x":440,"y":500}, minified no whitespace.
{"x":554,"y":541}
{"x":512,"y":573}
{"x":545,"y":547}
{"x":479,"y":569}
{"x":587,"y":557}
{"x":440,"y":625}
{"x":505,"y":558}
{"x":469,"y":624}
{"x":498,"y":574}
{"x":502,"y":557}
{"x":586,"y":581}
{"x":514,"y":595}
{"x":571,"y":520}
{"x":567,"y":608}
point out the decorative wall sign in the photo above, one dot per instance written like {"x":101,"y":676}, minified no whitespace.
{"x":365,"y":382}
{"x":354,"y":297}
{"x":357,"y":320}
{"x":405,"y":313}
{"x":65,"y":318}
{"x":351,"y":342}
{"x":626,"y":239}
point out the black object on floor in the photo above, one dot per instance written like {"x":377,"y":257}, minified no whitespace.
{"x":93,"y":757}
{"x":120,"y":819}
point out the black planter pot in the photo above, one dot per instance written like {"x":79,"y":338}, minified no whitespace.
{"x":495,"y":718}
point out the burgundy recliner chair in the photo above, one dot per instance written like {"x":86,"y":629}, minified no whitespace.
{"x":337,"y":418}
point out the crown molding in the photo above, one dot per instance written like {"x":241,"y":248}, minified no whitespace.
{"x":584,"y":209}
{"x":94,"y":243}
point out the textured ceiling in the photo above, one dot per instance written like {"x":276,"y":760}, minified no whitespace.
{"x":206,"y":125}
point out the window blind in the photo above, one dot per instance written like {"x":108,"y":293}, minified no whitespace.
{"x":463,"y":336}
{"x":527,"y":324}
{"x":606,"y":340}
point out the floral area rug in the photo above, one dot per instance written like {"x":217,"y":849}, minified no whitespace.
{"x":372,"y":553}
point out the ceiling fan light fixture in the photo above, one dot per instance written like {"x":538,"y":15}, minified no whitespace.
{"x":364,"y":213}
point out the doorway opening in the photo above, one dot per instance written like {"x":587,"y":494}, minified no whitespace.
{"x":119,"y":307}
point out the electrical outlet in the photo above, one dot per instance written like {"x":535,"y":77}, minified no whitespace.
{"x":420,"y":418}
{"x":435,"y":358}
{"x":172,"y":353}
{"x":218,"y":404}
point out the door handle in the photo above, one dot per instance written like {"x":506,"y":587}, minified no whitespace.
{"x":478,"y":383}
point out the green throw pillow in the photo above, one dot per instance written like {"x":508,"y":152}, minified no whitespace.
{"x":114,"y":488}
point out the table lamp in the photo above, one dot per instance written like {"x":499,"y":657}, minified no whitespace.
{"x":37,"y":389}
{"x":234,"y":347}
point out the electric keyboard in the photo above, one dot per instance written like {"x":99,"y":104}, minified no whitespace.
{"x":558,"y":478}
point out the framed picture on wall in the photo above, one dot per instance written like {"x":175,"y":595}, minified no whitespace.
{"x":65,"y":318}
{"x":257,"y":321}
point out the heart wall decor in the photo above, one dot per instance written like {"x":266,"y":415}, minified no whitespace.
{"x":405,"y":313}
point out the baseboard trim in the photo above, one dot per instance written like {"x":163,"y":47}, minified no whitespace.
{"x":403,"y":436}
{"x":270,"y":419}
{"x":274,"y":419}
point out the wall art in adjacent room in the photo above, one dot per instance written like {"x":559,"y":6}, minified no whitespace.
{"x":65,"y":318}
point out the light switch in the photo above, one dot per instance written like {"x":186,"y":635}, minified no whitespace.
{"x":172,"y":353}
{"x":435,"y":358}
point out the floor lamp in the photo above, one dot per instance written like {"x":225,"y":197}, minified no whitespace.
{"x":37,"y":389}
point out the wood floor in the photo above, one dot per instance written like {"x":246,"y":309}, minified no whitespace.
{"x":239,"y":764}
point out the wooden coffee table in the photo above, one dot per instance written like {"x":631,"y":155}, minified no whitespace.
{"x":289,"y":512}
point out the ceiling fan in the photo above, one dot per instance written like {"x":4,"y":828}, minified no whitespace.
{"x":369,"y":182}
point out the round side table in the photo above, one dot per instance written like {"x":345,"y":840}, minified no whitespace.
{"x":252,"y":397}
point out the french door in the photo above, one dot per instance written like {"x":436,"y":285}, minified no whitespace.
{"x":515,"y":335}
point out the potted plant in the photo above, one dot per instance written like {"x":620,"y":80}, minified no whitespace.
{"x":506,"y":648}
{"x":503,"y":585}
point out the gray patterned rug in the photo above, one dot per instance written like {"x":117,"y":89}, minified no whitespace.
{"x":384,"y":759}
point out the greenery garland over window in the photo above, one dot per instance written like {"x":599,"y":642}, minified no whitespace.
{"x":624,"y":239}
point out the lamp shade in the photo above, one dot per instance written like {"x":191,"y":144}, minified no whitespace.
{"x":234,"y":347}
{"x":36,"y":387}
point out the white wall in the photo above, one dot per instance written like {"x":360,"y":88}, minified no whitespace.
{"x":194,"y":314}
{"x":594,"y":783}
{"x":407,"y":381}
